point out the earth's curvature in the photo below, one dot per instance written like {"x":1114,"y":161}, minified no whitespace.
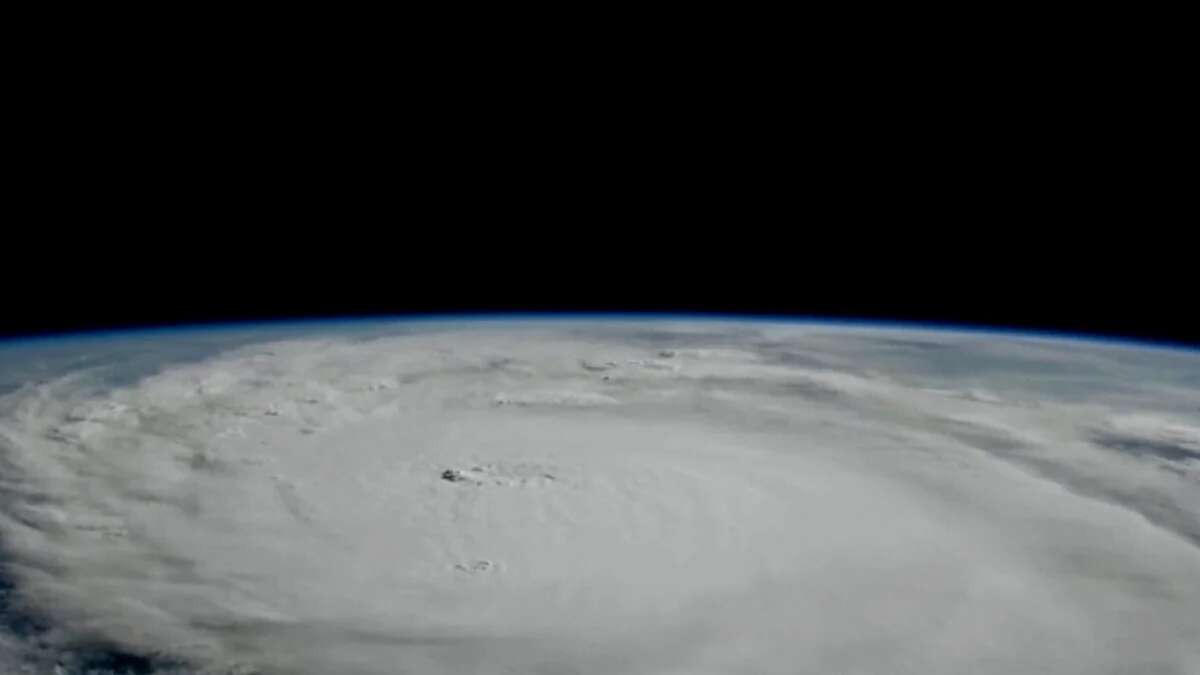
{"x":587,"y":496}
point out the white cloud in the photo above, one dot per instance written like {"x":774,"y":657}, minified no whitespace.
{"x":281,"y":507}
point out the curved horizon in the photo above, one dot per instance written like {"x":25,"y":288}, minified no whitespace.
{"x":597,"y":492}
{"x":993,"y":329}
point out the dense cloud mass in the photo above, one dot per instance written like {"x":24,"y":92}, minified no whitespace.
{"x":653,"y":498}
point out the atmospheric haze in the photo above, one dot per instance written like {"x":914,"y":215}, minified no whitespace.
{"x":650,"y":497}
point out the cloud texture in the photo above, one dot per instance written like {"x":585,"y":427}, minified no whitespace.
{"x":572,"y":497}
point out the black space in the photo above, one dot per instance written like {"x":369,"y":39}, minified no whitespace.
{"x":962,"y":200}
{"x":734,"y":271}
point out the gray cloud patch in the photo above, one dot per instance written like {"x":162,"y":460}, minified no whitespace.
{"x":1144,"y":447}
{"x":911,"y":345}
{"x":787,"y":355}
{"x":80,"y":658}
{"x":991,"y":440}
{"x":802,"y":388}
{"x":1156,"y":507}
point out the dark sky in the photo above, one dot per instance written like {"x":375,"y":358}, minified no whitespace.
{"x":947,"y":202}
{"x":968,"y":228}
{"x":225,"y":279}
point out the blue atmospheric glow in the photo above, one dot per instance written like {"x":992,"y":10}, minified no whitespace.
{"x":289,"y":325}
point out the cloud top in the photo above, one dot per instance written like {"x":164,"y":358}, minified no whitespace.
{"x":610,"y":498}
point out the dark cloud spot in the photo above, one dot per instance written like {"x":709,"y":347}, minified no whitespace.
{"x":807,"y":389}
{"x":116,"y":662}
{"x":13,"y":621}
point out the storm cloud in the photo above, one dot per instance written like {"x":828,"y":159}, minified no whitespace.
{"x":623,"y":497}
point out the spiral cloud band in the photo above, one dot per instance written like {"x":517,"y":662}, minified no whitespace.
{"x":651,"y":497}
